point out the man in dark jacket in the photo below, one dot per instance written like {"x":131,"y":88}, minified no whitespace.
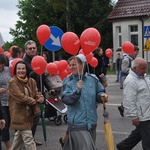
{"x":31,"y":51}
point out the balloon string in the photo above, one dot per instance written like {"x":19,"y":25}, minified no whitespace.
{"x":41,"y":50}
{"x":41,"y":83}
{"x":88,"y":67}
{"x":78,"y":69}
{"x":82,"y":71}
{"x":94,"y":70}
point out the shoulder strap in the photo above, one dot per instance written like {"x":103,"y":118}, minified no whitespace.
{"x":129,"y":62}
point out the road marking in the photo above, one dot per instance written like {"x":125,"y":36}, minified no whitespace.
{"x":122,"y":133}
{"x":112,"y":104}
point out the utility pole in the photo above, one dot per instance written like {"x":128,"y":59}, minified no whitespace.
{"x":68,"y":15}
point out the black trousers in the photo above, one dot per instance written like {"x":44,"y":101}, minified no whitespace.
{"x":0,"y":141}
{"x":140,"y":133}
{"x":35,"y":123}
{"x":131,"y":141}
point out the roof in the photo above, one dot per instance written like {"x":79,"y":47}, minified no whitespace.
{"x":130,"y":9}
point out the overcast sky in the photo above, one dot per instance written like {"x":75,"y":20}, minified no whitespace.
{"x":8,"y":17}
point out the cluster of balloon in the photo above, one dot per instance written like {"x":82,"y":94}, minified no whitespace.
{"x":58,"y":67}
{"x":90,"y":40}
{"x":38,"y":64}
{"x":13,"y":64}
{"x":70,"y":43}
{"x":108,"y":52}
{"x":1,"y":50}
{"x":43,"y":33}
{"x":90,"y":59}
{"x":128,"y":47}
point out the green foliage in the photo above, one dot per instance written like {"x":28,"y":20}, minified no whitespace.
{"x":111,"y":71}
{"x":79,"y":15}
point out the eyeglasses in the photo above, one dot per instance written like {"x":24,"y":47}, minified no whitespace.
{"x":30,"y":48}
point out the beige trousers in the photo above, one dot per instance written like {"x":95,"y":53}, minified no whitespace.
{"x":23,"y":137}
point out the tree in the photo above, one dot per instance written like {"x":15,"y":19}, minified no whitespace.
{"x":79,"y":15}
{"x":92,"y":13}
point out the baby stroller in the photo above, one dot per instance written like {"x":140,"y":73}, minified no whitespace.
{"x":55,"y":108}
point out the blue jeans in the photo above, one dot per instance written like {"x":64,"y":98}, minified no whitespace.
{"x":118,"y":73}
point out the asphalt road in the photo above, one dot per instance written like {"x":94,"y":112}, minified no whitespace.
{"x":121,"y":127}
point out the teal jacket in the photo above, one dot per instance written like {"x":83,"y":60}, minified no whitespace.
{"x":82,"y":104}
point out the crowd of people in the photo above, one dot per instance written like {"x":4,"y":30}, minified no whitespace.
{"x":82,"y":91}
{"x":20,"y":95}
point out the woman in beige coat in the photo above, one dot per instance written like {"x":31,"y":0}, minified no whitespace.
{"x":23,"y":104}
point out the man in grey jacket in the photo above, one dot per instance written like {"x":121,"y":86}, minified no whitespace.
{"x":136,"y":102}
{"x":125,"y":67}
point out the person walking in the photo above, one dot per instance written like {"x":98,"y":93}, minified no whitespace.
{"x":125,"y":67}
{"x":24,"y":100}
{"x":118,"y":67}
{"x":5,"y":76}
{"x":31,"y":51}
{"x":81,"y":92}
{"x":101,"y":68}
{"x":136,"y":103}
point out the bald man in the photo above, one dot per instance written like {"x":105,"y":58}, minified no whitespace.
{"x":136,"y":102}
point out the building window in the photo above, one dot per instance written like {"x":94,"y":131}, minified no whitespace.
{"x":134,"y":34}
{"x":119,"y":36}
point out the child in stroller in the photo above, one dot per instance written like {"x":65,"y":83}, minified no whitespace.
{"x":54,"y":107}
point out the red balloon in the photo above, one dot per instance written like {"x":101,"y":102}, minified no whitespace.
{"x":13,"y":64}
{"x":81,"y":51}
{"x":128,"y":47}
{"x":43,"y":33}
{"x":7,"y":54}
{"x":108,"y":52}
{"x":56,"y":62}
{"x":90,"y":40}
{"x":63,"y":74}
{"x":52,"y":68}
{"x":89,"y":57}
{"x":1,"y":50}
{"x":70,"y":43}
{"x":93,"y":62}
{"x":10,"y":50}
{"x":38,"y":64}
{"x":68,"y":70}
{"x":62,"y":65}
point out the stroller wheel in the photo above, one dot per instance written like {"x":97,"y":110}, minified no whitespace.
{"x":58,"y":121}
{"x":65,"y":118}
